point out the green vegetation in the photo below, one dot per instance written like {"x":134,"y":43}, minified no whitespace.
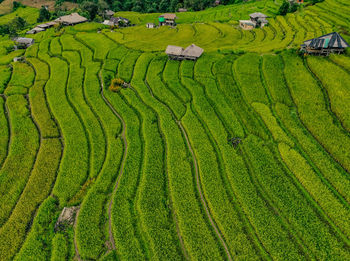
{"x":242,"y":154}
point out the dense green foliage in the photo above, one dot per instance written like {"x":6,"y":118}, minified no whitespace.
{"x":242,"y":154}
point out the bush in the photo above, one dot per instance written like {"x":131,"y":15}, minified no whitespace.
{"x":116,"y":85}
{"x":44,"y":15}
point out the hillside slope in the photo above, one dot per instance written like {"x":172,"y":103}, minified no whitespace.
{"x":154,"y":168}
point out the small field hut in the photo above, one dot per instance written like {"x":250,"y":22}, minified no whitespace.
{"x":192,"y":52}
{"x":23,"y":42}
{"x":150,"y":25}
{"x":325,"y":44}
{"x":256,"y":20}
{"x":247,"y":24}
{"x":35,"y":30}
{"x":259,"y":19}
{"x":167,"y":19}
{"x":108,"y":13}
{"x":71,"y":19}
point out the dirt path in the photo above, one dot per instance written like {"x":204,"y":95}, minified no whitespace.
{"x":122,"y":164}
{"x":77,"y":256}
{"x":217,"y":232}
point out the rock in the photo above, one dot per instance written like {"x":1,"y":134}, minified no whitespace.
{"x":66,"y":217}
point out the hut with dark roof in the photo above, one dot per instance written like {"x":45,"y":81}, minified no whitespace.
{"x":167,"y":19}
{"x":259,"y":19}
{"x":325,"y":44}
{"x":256,"y":20}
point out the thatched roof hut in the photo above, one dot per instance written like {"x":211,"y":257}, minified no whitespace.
{"x":71,"y":19}
{"x":192,"y":52}
{"x":167,"y":19}
{"x":35,"y":30}
{"x":24,"y":41}
{"x":109,"y":13}
{"x":174,"y":50}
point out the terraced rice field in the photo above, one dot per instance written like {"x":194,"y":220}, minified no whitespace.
{"x":152,"y":168}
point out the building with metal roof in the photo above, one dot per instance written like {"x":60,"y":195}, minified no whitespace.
{"x":167,"y":19}
{"x":325,"y":44}
{"x":257,"y":15}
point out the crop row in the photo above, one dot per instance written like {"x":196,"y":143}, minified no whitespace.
{"x":197,"y":238}
{"x":330,"y":169}
{"x":76,"y":94}
{"x":303,"y":218}
{"x":23,"y":149}
{"x":92,"y":215}
{"x":333,"y":78}
{"x":322,"y":201}
{"x":153,"y":200}
{"x":37,"y":188}
{"x":158,"y":89}
{"x":212,"y":152}
{"x":252,"y":199}
{"x":37,"y":244}
{"x":37,"y":96}
{"x":315,"y":181}
{"x":74,"y":165}
{"x":125,"y":219}
{"x":310,"y":100}
{"x":284,"y":135}
{"x":21,"y":79}
{"x":5,"y":76}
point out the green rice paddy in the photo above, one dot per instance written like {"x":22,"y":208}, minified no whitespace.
{"x":152,"y":167}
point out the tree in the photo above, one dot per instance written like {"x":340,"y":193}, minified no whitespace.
{"x":4,"y":29}
{"x":91,"y":8}
{"x":102,"y":6}
{"x":117,"y":6}
{"x":284,"y":8}
{"x":16,"y":5}
{"x":44,"y":14}
{"x":18,"y":23}
{"x":293,"y":8}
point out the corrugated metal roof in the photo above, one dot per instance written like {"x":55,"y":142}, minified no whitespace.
{"x":331,"y":40}
{"x":258,"y":15}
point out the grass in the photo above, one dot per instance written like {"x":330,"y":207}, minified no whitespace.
{"x":5,"y":73}
{"x":29,"y":14}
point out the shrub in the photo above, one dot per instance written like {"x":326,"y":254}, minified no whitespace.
{"x":116,"y":85}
